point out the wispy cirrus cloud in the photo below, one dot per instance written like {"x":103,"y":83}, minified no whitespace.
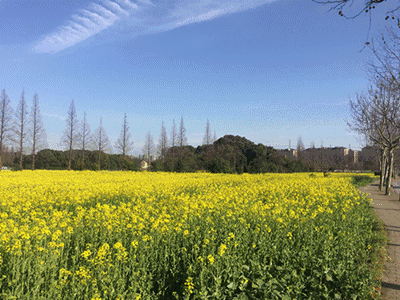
{"x":138,"y":18}
{"x":89,"y":21}
{"x":54,"y":116}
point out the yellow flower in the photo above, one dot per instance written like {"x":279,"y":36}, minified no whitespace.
{"x":189,"y":285}
{"x":211,"y":259}
{"x":222,"y":249}
{"x":135,"y":244}
{"x":86,"y":254}
{"x":146,"y":238}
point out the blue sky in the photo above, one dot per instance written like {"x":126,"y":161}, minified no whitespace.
{"x":269,"y":70}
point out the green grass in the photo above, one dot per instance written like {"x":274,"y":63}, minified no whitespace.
{"x":362,"y":180}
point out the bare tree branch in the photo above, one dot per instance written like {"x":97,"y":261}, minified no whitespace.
{"x":101,"y":139}
{"x":124,"y":143}
{"x":38,"y":137}
{"x":163,"y":141}
{"x":207,"y":140}
{"x":5,"y":122}
{"x":182,"y":140}
{"x":148,"y":149}
{"x":86,"y":138}
{"x":20,"y":127}
{"x":71,"y":133}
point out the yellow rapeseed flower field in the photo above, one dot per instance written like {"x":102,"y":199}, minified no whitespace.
{"x":130,"y":235}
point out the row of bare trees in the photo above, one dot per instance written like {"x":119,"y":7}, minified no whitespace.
{"x":376,"y":112}
{"x":24,"y":131}
{"x":78,"y":135}
{"x":178,"y":139}
{"x":75,"y":136}
{"x":21,"y":129}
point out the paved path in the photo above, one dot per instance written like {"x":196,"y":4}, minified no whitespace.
{"x":388,"y":210}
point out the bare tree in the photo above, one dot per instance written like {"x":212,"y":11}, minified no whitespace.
{"x":174,"y":138}
{"x":85,"y":136}
{"x":163,"y":141}
{"x":148,"y":149}
{"x":376,"y":115}
{"x":387,"y":59}
{"x":38,"y":137}
{"x":300,"y":144}
{"x":101,"y":140}
{"x":71,"y":132}
{"x":366,"y":6}
{"x":207,"y":140}
{"x":174,"y":135}
{"x":124,"y":143}
{"x":5,"y":122}
{"x":300,"y":147}
{"x":20,"y":130}
{"x":182,"y":140}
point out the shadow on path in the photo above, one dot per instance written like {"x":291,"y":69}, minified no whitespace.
{"x":391,"y":286}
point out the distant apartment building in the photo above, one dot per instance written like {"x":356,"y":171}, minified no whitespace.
{"x":290,"y":153}
{"x":324,"y":157}
{"x":353,"y":156}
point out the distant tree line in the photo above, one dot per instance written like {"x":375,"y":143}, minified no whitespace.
{"x":86,"y":151}
{"x":50,"y":159}
{"x":229,"y":154}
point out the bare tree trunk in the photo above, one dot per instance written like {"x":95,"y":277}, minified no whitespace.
{"x":389,"y":179}
{"x":33,"y":162}
{"x":387,"y":170}
{"x":383,"y":164}
{"x":99,"y":160}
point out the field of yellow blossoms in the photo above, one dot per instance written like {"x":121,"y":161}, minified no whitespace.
{"x":130,"y":235}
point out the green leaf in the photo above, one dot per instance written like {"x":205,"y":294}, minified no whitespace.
{"x":273,"y":281}
{"x":260,"y":282}
{"x":286,"y":297}
{"x":328,"y":277}
{"x":230,"y":286}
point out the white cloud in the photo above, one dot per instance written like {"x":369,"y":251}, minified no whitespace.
{"x":148,"y":2}
{"x":138,"y":18}
{"x":87,"y":23}
{"x":116,"y":7}
{"x":103,"y":11}
{"x":202,"y":17}
{"x":54,"y":116}
{"x":128,"y":3}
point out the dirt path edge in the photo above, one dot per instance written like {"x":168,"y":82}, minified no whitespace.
{"x":387,"y":208}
